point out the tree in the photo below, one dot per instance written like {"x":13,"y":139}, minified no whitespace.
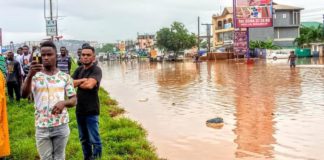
{"x":309,"y":35}
{"x":203,"y":44}
{"x":176,"y":38}
{"x":263,"y":44}
{"x":108,"y":47}
{"x":301,"y":40}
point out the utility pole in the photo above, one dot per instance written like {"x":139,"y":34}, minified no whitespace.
{"x":51,"y":16}
{"x":208,"y":28}
{"x":198,"y":38}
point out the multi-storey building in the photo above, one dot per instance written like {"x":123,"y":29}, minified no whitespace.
{"x":286,"y":27}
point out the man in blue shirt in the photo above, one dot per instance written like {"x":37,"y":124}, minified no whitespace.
{"x":64,"y":61}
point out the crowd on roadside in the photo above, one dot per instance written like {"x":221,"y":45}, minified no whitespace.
{"x":44,"y":76}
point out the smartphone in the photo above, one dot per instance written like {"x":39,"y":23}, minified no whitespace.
{"x":37,"y":58}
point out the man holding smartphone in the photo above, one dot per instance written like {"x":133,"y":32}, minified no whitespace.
{"x":49,"y":87}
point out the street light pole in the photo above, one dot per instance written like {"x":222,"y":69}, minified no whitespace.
{"x":198,"y":38}
{"x":51,"y":16}
{"x":323,"y":25}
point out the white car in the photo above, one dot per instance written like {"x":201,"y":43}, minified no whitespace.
{"x":278,"y":54}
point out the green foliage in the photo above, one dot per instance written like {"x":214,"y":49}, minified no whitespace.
{"x":108,"y":47}
{"x":176,"y":38}
{"x":203,"y":44}
{"x":263,"y":44}
{"x":309,"y":35}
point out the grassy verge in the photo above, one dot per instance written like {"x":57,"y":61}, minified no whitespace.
{"x":122,"y":138}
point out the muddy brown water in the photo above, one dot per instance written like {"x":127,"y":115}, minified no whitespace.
{"x":270,"y":111}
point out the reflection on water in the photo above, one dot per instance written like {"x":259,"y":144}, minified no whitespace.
{"x":270,"y":111}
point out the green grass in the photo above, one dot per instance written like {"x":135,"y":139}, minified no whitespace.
{"x":122,"y":138}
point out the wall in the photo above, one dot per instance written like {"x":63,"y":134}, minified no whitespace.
{"x":287,"y":32}
{"x":261,"y":34}
{"x":279,"y":20}
{"x":284,"y":43}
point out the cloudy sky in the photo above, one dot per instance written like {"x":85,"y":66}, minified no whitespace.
{"x":112,"y":20}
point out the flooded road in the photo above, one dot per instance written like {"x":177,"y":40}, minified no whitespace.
{"x":269,"y":110}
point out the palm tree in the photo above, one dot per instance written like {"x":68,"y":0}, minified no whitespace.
{"x":301,"y":40}
{"x":309,"y":35}
{"x":315,"y":34}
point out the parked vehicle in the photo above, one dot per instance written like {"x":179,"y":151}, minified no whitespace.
{"x":278,"y":54}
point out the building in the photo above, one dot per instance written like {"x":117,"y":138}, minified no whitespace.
{"x":286,"y":27}
{"x":223,"y":28}
{"x":145,"y":41}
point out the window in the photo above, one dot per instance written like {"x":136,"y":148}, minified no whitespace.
{"x":284,"y":15}
{"x":296,"y":18}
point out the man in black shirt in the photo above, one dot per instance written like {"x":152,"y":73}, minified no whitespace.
{"x":87,"y":78}
{"x":13,"y":77}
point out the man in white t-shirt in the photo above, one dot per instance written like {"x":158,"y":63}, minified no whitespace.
{"x":49,"y":87}
{"x":19,"y":58}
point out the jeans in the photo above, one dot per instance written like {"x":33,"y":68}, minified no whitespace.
{"x":88,"y":127}
{"x":51,"y":142}
{"x":13,"y":86}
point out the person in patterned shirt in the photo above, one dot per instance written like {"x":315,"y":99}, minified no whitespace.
{"x":50,"y":87}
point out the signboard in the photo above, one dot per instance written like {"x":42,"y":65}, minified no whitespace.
{"x":51,"y":27}
{"x":241,"y":39}
{"x":121,"y":46}
{"x":228,"y":25}
{"x":253,"y":13}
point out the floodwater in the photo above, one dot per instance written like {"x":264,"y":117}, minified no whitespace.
{"x":270,"y":111}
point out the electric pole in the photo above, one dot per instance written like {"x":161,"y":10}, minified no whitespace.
{"x":208,"y":28}
{"x":51,"y":16}
{"x":198,"y":38}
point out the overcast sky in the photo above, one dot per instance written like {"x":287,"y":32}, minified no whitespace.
{"x":112,"y":20}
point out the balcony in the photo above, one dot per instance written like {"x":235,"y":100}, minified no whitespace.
{"x":224,"y":30}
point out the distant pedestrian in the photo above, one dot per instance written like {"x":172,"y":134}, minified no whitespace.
{"x":79,"y":57}
{"x":14,"y":80}
{"x":64,"y":61}
{"x":292,"y":59}
{"x":87,"y":78}
{"x":50,"y":86}
{"x":26,"y":59}
{"x":4,"y":131}
{"x":19,"y":56}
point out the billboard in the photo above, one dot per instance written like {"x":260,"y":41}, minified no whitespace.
{"x":241,"y":39}
{"x":253,"y":13}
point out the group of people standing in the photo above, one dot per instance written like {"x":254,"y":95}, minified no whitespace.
{"x":53,"y":88}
